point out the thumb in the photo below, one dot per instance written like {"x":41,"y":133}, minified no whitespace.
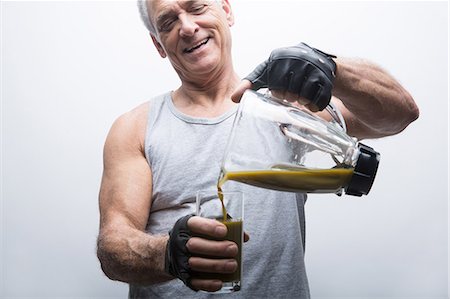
{"x":255,"y":80}
{"x":240,"y":89}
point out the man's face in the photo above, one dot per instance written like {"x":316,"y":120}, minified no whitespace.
{"x":194,"y":34}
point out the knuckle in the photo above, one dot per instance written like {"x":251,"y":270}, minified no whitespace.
{"x":189,"y":244}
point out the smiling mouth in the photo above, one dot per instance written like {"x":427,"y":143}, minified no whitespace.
{"x":192,"y":49}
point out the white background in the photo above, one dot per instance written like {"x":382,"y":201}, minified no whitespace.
{"x":70,"y":68}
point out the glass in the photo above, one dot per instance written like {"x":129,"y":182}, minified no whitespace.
{"x":274,"y":144}
{"x":209,"y":205}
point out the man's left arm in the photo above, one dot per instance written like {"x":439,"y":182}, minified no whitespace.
{"x":371,"y":101}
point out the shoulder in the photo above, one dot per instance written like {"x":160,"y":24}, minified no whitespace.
{"x":135,"y":117}
{"x":128,"y":130}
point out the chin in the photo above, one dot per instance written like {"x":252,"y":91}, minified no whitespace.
{"x":206,"y":67}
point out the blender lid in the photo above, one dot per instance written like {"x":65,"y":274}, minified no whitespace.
{"x":364,"y":172}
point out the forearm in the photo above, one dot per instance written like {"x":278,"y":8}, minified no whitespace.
{"x":132,"y":256}
{"x":373,"y":97}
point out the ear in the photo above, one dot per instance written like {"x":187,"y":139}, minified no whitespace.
{"x":158,"y":46}
{"x":228,"y":11}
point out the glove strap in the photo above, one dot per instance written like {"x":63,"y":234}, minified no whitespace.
{"x":177,"y":255}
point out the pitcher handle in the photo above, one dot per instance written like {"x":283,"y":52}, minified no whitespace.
{"x":336,"y":115}
{"x":331,"y":109}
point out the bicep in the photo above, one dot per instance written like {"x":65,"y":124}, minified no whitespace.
{"x":125,"y":192}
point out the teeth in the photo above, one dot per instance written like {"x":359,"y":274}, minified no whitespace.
{"x":197,"y":45}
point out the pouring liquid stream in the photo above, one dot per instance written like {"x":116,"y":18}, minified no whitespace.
{"x":220,"y":195}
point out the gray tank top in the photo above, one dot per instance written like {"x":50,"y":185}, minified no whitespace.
{"x":184,"y":154}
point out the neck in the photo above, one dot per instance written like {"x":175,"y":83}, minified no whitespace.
{"x":207,"y":97}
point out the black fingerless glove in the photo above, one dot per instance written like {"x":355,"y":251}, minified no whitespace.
{"x":301,"y":70}
{"x":177,"y":255}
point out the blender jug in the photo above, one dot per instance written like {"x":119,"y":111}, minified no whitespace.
{"x":276,"y":145}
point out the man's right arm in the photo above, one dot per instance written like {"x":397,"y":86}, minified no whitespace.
{"x":126,"y":252}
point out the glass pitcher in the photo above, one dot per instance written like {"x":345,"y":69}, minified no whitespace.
{"x":274,"y":144}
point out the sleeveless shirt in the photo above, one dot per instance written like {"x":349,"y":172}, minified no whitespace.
{"x":184,"y":154}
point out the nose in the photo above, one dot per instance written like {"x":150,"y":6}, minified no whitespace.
{"x":188,"y":26}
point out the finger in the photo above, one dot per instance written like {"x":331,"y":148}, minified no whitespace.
{"x":317,"y":90}
{"x":207,"y":227}
{"x":201,"y":264}
{"x":206,"y":284}
{"x":303,"y":101}
{"x":279,"y":94}
{"x":240,"y":89}
{"x":323,"y":96}
{"x":310,"y":90}
{"x":312,"y":107}
{"x":291,"y":97}
{"x":212,"y":248}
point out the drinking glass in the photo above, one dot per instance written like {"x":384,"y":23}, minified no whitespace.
{"x":228,"y":209}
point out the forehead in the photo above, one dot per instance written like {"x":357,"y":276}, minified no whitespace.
{"x":158,"y":7}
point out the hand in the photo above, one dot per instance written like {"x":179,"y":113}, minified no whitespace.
{"x":299,"y":73}
{"x":185,"y":254}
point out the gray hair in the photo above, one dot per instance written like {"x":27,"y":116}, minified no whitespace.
{"x":143,"y":10}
